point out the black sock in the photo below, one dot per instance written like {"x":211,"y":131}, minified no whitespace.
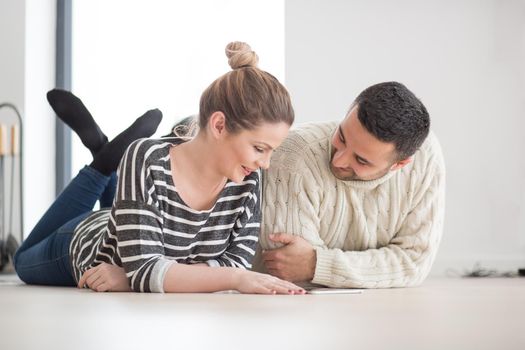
{"x":72,"y":111}
{"x":107,"y":159}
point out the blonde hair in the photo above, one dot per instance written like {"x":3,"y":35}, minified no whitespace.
{"x":247,"y":95}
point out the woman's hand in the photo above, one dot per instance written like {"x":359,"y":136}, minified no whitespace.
{"x":259,"y":283}
{"x":105,"y":278}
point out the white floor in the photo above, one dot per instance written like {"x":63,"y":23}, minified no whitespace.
{"x":441,"y":314}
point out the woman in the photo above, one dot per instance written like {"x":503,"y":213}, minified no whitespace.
{"x":186,"y":213}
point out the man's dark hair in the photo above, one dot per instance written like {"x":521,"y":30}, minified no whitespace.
{"x":393,"y":114}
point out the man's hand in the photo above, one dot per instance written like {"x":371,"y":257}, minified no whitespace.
{"x":294,"y":262}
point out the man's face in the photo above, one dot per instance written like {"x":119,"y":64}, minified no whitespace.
{"x":358,"y":155}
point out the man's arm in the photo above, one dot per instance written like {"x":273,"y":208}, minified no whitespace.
{"x":405,"y":261}
{"x":291,"y":224}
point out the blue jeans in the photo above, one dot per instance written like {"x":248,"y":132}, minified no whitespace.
{"x":43,"y":258}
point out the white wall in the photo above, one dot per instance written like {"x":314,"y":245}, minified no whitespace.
{"x":39,"y":139}
{"x":27,"y":61}
{"x":466,"y":61}
{"x":12,"y":32}
{"x":167,"y":61}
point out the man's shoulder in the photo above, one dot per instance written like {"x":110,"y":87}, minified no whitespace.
{"x":308,"y":134}
{"x":427,"y":165}
{"x":305,"y":142}
{"x":430,"y":153}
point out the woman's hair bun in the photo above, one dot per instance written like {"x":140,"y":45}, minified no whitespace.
{"x":241,"y":55}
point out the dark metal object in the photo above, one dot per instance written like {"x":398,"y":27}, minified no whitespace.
{"x":9,"y":245}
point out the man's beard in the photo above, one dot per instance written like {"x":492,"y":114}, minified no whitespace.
{"x":350,"y":175}
{"x":347,"y":175}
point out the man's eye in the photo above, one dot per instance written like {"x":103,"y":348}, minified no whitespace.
{"x":361,"y":161}
{"x":341,"y":137}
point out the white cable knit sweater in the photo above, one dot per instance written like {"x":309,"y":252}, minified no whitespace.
{"x":367,"y":234}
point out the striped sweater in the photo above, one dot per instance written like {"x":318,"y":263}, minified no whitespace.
{"x":149,"y":227}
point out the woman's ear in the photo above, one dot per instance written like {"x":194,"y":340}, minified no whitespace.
{"x":217,"y":124}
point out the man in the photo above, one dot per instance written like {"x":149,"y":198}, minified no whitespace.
{"x":359,"y":204}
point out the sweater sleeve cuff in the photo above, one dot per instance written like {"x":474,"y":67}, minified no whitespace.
{"x":158,"y":274}
{"x":323,"y":267}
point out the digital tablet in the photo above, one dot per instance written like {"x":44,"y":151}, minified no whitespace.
{"x":334,"y":291}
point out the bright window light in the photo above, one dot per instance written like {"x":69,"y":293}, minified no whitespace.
{"x":131,"y":56}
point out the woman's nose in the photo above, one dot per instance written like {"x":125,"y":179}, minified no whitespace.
{"x":264,"y":163}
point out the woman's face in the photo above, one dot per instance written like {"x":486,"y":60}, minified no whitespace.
{"x":245,"y":151}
